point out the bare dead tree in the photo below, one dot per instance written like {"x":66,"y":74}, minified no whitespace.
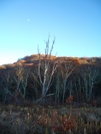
{"x":35,"y":84}
{"x":21,"y":79}
{"x":58,"y":86}
{"x":66,"y":71}
{"x":70,"y":87}
{"x":7,"y":83}
{"x":78,"y":89}
{"x":89,"y":76}
{"x":46,"y":70}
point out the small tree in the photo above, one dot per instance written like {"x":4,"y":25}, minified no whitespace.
{"x":46,"y":70}
{"x":21,"y":80}
{"x":7,"y":84}
{"x":78,"y":89}
{"x":35,"y":83}
{"x":58,"y":86}
{"x":66,"y":71}
{"x":89,"y":77}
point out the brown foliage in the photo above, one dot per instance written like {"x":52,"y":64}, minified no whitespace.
{"x":69,"y":99}
{"x":33,"y":60}
{"x":2,"y":67}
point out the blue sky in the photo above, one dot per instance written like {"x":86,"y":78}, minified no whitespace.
{"x":25,"y":24}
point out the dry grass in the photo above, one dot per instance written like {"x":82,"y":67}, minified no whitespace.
{"x":49,"y":120}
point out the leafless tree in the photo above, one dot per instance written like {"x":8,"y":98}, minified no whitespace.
{"x":78,"y":89}
{"x":21,"y":80}
{"x":66,"y":71}
{"x":35,"y":83}
{"x":89,"y":77}
{"x":7,"y":83}
{"x":58,"y":86}
{"x":46,"y":70}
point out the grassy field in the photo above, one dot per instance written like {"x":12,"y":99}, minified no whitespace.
{"x":37,"y":119}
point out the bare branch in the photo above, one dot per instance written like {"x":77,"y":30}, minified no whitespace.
{"x":47,"y":71}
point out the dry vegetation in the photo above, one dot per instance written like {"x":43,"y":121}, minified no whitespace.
{"x":38,"y":119}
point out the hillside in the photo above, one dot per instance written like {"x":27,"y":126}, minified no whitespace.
{"x":36,"y":77}
{"x":33,"y":59}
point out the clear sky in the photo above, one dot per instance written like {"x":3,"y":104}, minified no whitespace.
{"x":25,"y":24}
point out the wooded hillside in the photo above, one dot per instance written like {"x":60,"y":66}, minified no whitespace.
{"x":44,"y":79}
